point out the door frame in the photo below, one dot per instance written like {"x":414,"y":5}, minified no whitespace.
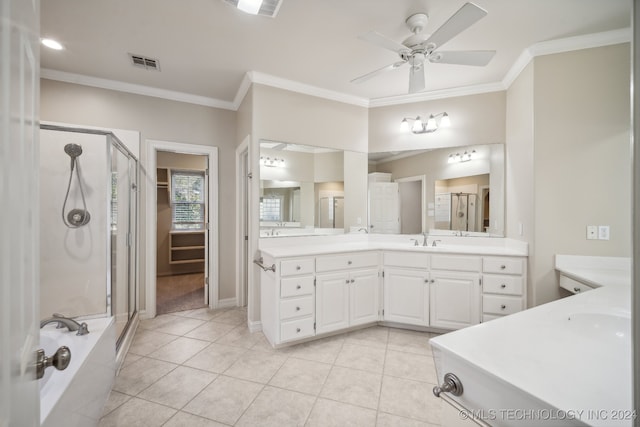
{"x":243,"y":203}
{"x":152,"y":148}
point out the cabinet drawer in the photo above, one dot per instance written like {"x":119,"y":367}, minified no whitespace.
{"x":296,"y":286}
{"x":344,"y":261}
{"x":494,"y":304}
{"x":496,"y":284}
{"x":573,"y":286}
{"x":406,"y":259}
{"x":292,"y":267}
{"x":503,"y":265}
{"x":456,"y":262}
{"x":296,"y":307}
{"x":296,"y":329}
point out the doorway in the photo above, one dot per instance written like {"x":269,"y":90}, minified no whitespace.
{"x":181,"y":228}
{"x":181,"y":246}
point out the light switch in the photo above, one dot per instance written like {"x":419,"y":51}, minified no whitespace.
{"x":603,"y":232}
{"x":592,"y":232}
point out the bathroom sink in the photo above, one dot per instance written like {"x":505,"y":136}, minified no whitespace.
{"x":602,"y":327}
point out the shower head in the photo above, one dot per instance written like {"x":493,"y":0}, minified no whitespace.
{"x":73,"y":150}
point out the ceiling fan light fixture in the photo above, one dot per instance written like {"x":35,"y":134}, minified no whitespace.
{"x":250,"y":6}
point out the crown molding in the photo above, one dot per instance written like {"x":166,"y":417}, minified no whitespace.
{"x":119,"y":86}
{"x":294,"y":86}
{"x":550,"y":47}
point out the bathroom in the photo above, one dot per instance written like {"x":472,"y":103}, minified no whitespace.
{"x":546,"y":159}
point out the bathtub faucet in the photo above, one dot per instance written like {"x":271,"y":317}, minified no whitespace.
{"x":71,"y":324}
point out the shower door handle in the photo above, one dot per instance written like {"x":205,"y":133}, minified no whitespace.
{"x":60,"y":360}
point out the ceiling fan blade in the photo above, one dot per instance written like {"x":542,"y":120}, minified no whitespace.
{"x":478,"y":58}
{"x":383,"y":41}
{"x":465,"y":17}
{"x":416,"y":79}
{"x":378,"y":71}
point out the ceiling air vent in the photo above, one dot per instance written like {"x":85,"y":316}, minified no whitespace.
{"x":268,"y":8}
{"x":144,"y":62}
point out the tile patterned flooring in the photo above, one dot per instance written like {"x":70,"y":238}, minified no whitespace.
{"x":202,"y":368}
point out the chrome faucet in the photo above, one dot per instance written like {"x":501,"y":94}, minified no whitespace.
{"x":426,"y":236}
{"x":71,"y":324}
{"x":434,"y":243}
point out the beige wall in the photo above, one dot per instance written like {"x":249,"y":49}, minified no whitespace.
{"x":582,"y":168}
{"x":475,"y":119}
{"x":158,"y":119}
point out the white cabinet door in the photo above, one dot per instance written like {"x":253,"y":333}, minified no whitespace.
{"x":455,"y":299}
{"x":406,"y":296}
{"x":332,"y":302}
{"x":364,"y":297}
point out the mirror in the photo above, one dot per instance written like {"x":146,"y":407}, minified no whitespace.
{"x":301,"y":190}
{"x":454,"y":190}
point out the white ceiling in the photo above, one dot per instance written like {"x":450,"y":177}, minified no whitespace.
{"x":205,"y":47}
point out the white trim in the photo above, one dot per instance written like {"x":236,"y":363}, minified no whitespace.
{"x":242,"y":209}
{"x":152,"y":147}
{"x":280,"y":83}
{"x":227,"y":303}
{"x":586,"y":41}
{"x":119,"y":86}
{"x":254,"y":326}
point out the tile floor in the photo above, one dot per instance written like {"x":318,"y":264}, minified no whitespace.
{"x":203,"y":368}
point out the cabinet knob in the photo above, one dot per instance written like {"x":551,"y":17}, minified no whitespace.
{"x":426,"y":280}
{"x":298,"y":330}
{"x":502,"y":267}
{"x":298,"y":267}
{"x":576,"y":289}
{"x":503,"y":286}
{"x":349,"y":262}
{"x":432,"y":281}
{"x":297,"y":308}
{"x":347,"y":281}
{"x":353,"y":280}
{"x":503,"y":306}
{"x":298,"y":286}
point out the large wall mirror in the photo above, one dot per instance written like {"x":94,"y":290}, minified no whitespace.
{"x":301,"y":190}
{"x":458,"y":190}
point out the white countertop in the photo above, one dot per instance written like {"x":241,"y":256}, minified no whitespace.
{"x":319,"y":245}
{"x":573,"y":354}
{"x":596,"y":271}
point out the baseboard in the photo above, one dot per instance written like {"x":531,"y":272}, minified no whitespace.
{"x":142,"y":314}
{"x":255,"y":326}
{"x":226,"y":303}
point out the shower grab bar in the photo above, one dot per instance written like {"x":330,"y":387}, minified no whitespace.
{"x":260,"y":263}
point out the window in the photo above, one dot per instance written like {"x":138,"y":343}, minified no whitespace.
{"x":271,"y":209}
{"x":187,"y":199}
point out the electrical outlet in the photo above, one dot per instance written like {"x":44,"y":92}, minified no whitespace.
{"x":603,"y":232}
{"x":592,"y":232}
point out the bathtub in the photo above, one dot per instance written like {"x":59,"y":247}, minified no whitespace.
{"x":76,"y":396}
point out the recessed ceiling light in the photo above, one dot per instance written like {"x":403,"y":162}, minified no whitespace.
{"x":52,"y":44}
{"x":250,"y":6}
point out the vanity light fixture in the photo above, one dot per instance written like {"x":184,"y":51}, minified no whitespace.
{"x":434,"y":122}
{"x":272,"y":163}
{"x":460,"y":158}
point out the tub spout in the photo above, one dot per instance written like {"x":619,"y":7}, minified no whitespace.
{"x":71,"y":324}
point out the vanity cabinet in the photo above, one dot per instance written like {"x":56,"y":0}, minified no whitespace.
{"x":347,"y":290}
{"x":504,"y":290}
{"x":406,"y":288}
{"x":454,"y":291}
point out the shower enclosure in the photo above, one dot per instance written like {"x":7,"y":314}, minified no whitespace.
{"x":456,"y":211}
{"x":88,"y":225}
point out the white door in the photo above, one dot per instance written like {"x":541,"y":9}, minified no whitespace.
{"x":384,"y":207}
{"x":406,"y":296}
{"x":364,"y":297}
{"x":455,"y":299}
{"x":19,"y":253}
{"x":332,"y":302}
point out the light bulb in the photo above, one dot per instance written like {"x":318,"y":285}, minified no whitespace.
{"x":451,"y":159}
{"x":431,"y":123}
{"x":417,"y":125}
{"x":404,"y":126}
{"x":52,"y":44}
{"x":250,"y":6}
{"x":445,"y":121}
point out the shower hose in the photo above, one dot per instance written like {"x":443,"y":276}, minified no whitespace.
{"x":78,"y":219}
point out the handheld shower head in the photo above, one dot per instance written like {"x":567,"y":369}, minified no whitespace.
{"x":73,"y":150}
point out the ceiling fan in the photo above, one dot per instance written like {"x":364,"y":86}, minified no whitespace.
{"x":419,"y":48}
